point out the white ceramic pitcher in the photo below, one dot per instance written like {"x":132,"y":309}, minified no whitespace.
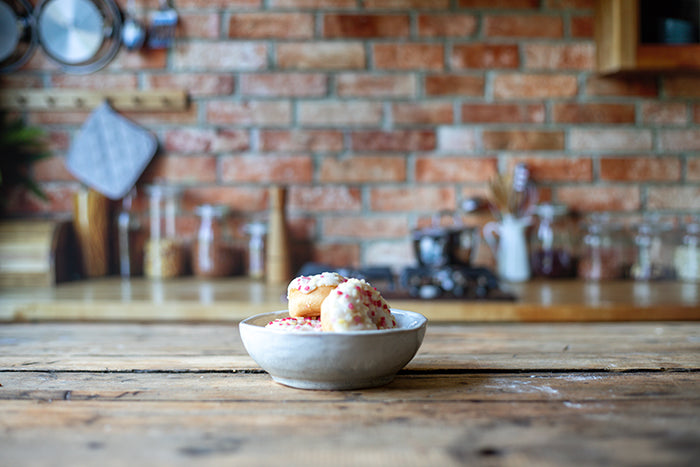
{"x":508,"y":243}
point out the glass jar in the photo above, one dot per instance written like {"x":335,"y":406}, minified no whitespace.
{"x":164,"y":255}
{"x":686,"y":256}
{"x":602,"y":250}
{"x":652,"y":257}
{"x":213,"y":253}
{"x":552,"y":243}
{"x":256,"y":249}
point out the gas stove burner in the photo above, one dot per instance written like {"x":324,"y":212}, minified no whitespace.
{"x":452,"y":281}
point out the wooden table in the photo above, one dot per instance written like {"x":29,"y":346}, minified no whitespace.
{"x":97,"y":393}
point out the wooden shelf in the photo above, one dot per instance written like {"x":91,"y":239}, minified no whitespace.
{"x":79,"y":99}
{"x":619,"y":49}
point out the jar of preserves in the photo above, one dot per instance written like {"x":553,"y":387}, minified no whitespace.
{"x":213,"y":253}
{"x":686,"y":257}
{"x":652,"y":252}
{"x":164,"y":254}
{"x":552,"y":243}
{"x":602,"y":249}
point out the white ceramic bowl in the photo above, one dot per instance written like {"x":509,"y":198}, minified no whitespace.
{"x":333,"y":360}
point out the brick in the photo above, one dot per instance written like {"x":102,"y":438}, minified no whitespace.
{"x":446,"y":25}
{"x":321,"y":55}
{"x":339,"y":113}
{"x":196,"y":84}
{"x":40,"y":62}
{"x":680,"y":140}
{"x":534,"y":86}
{"x":224,"y":56}
{"x":266,"y":168}
{"x":240,"y":199}
{"x":583,"y":139}
{"x":57,"y":140}
{"x":347,"y":25}
{"x":327,"y":198}
{"x":283,"y":84}
{"x":181,"y":169}
{"x":301,"y":140}
{"x":20,"y":80}
{"x":408,"y":56}
{"x":95,"y":81}
{"x":556,"y":169}
{"x":579,"y":56}
{"x":20,"y":201}
{"x":574,"y":112}
{"x":465,"y":56}
{"x":419,"y":198}
{"x":523,"y":140}
{"x":143,"y":60}
{"x":425,"y":112}
{"x":184,"y":117}
{"x":682,"y":86}
{"x":336,"y":254}
{"x":52,"y":169}
{"x":685,"y":197}
{"x":193,"y":140}
{"x":457,"y":139}
{"x":399,"y":140}
{"x":664,"y":113}
{"x":368,"y":85}
{"x":692,"y":172}
{"x":363,"y":169}
{"x":406,"y":4}
{"x":454,"y":85}
{"x":599,"y":198}
{"x":399,"y":254}
{"x":454,"y":169}
{"x":263,"y":113}
{"x":629,"y":86}
{"x":582,"y":27}
{"x":500,"y":4}
{"x":271,"y":26}
{"x":523,"y":26}
{"x":503,"y":113}
{"x":640,"y":169}
{"x":385,"y":226}
{"x":696,"y":113}
{"x":201,"y":4}
{"x":198,"y":25}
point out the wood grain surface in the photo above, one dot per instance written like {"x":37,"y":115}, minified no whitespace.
{"x":481,"y":394}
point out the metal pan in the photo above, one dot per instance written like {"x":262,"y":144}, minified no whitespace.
{"x":17,"y":34}
{"x":81,"y":36}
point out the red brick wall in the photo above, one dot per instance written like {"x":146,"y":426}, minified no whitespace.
{"x":378,"y":113}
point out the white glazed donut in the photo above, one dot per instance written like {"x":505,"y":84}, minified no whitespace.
{"x":355,"y":305}
{"x":306,"y":293}
{"x":290,"y":324}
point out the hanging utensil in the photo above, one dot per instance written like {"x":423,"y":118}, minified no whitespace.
{"x":133,"y":32}
{"x":17,"y":34}
{"x":161,"y":30}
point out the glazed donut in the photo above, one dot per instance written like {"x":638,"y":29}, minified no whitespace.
{"x":306,"y":293}
{"x":355,"y":305}
{"x":290,"y":324}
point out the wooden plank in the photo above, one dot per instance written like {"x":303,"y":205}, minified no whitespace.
{"x":217,"y":347}
{"x":152,"y":100}
{"x":350,"y":433}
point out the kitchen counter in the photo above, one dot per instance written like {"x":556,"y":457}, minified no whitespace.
{"x":151,"y":394}
{"x":233,"y":299}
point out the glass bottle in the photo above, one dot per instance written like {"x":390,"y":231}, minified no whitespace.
{"x":164,"y":250}
{"x":213,"y":253}
{"x":652,"y":258}
{"x":256,"y":249}
{"x":686,"y":256}
{"x":602,"y":252}
{"x":552,"y":247}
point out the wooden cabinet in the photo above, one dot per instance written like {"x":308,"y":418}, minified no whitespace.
{"x":620,"y":48}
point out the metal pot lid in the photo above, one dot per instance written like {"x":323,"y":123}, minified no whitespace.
{"x":17,"y":34}
{"x":81,"y":36}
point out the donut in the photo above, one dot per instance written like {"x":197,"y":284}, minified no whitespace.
{"x":306,"y":293}
{"x":355,"y":305}
{"x":290,"y":324}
